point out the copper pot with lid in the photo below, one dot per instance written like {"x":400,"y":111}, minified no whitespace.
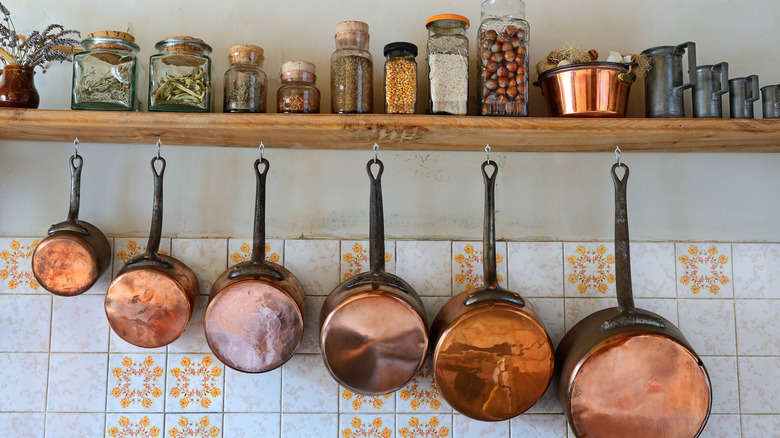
{"x":492,"y":357}
{"x":150,"y":302}
{"x":373,"y":331}
{"x":625,"y":371}
{"x":75,"y":253}
{"x":255,"y":316}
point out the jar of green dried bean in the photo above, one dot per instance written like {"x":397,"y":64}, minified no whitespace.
{"x":180,"y":75}
{"x":105,"y":73}
{"x":351,"y":70}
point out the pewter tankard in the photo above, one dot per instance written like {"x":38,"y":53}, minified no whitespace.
{"x":742,"y":93}
{"x":770,"y":100}
{"x":664,"y":85}
{"x":712,"y":81}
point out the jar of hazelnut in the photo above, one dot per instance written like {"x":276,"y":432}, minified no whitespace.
{"x":180,"y":75}
{"x":245,"y":81}
{"x":298,"y":93}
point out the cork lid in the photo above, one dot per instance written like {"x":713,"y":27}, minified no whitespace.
{"x":183,"y":44}
{"x":352,"y":26}
{"x":112,"y":34}
{"x":246,"y":54}
{"x":305,"y":66}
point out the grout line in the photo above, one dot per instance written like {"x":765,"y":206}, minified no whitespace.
{"x":48,"y":368}
{"x":736,"y":340}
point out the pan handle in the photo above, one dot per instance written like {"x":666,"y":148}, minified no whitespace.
{"x":72,"y":223}
{"x":376,"y":231}
{"x":155,"y":234}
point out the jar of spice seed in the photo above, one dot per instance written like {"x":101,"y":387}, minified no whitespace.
{"x":448,"y":64}
{"x":105,"y":74}
{"x":180,"y":75}
{"x":245,"y":81}
{"x":400,"y":78}
{"x":351,"y":69}
{"x":298,"y":94}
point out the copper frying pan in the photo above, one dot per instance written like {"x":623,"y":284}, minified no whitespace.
{"x":255,"y":317}
{"x":150,"y":302}
{"x":493,"y":358}
{"x":625,"y":371}
{"x":75,"y":253}
{"x":373,"y":332}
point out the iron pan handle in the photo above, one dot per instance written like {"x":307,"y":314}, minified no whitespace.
{"x":493,"y":294}
{"x":255,"y":269}
{"x":379,"y":279}
{"x":69,"y":226}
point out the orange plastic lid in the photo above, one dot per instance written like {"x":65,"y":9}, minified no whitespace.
{"x":447,"y":17}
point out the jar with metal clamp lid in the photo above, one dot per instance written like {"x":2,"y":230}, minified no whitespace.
{"x":180,"y":75}
{"x":105,"y":73}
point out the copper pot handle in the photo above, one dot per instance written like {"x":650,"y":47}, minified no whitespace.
{"x":72,"y":224}
{"x":150,"y":257}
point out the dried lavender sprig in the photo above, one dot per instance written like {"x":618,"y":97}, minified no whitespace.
{"x":39,"y":47}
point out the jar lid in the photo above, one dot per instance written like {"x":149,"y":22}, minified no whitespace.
{"x":406,"y":47}
{"x":352,"y":26}
{"x":184,"y":44}
{"x":442,"y":17}
{"x":246,"y":53}
{"x":112,"y":34}
{"x":290,"y":66}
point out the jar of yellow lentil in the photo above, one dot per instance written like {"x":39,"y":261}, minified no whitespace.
{"x":400,"y":78}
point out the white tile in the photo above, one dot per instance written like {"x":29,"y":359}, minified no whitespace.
{"x":465,"y":427}
{"x":423,"y":425}
{"x":23,"y":381}
{"x":723,"y":426}
{"x":119,"y":345}
{"x":136,"y":383}
{"x":246,"y":392}
{"x":426,"y":265}
{"x":539,"y":426}
{"x":104,"y":280}
{"x":760,"y":425}
{"x":308,"y":386}
{"x":709,"y":326}
{"x":358,"y":403}
{"x":757,"y":327}
{"x":535,"y":268}
{"x":432,"y":307}
{"x":756,"y":393}
{"x":548,"y":403}
{"x":135,"y":425}
{"x":16,"y":266}
{"x":310,"y":425}
{"x":22,"y":424}
{"x":240,"y":250}
{"x":194,"y":383}
{"x":589,"y":269}
{"x":367,"y":425}
{"x":206,"y":257}
{"x":704,"y":270}
{"x":422,"y":394}
{"x":310,"y":343}
{"x":467,"y":267}
{"x":62,"y":425}
{"x":756,"y":270}
{"x":666,"y":307}
{"x":355,"y":258}
{"x":550,"y":311}
{"x":579,"y":308}
{"x":252,"y":425}
{"x":652,"y":270}
{"x":723,"y":376}
{"x":79,"y":324}
{"x":193,"y":340}
{"x":25,"y":322}
{"x":315,"y":263}
{"x":193,"y":425}
{"x":125,"y":248}
{"x":77,"y":382}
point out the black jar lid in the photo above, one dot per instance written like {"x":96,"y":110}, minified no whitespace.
{"x":406,"y":47}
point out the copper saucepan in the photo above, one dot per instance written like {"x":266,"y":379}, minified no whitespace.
{"x":493,"y":358}
{"x":255,"y":317}
{"x":627,"y":372}
{"x":150,"y":302}
{"x":373,"y":332}
{"x":75,"y":253}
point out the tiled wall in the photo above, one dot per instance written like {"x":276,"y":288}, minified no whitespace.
{"x":64,"y":374}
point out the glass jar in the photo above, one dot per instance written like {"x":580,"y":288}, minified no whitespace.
{"x":105,"y":74}
{"x":245,"y":81}
{"x":400,"y":78}
{"x":448,"y":64}
{"x":503,"y":65}
{"x":351,"y":70}
{"x":180,"y":75}
{"x":298,"y":94}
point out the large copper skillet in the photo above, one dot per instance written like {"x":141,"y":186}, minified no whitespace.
{"x":627,"y":372}
{"x":255,"y":317}
{"x":75,"y":253}
{"x":493,"y":358}
{"x":150,"y":302}
{"x":373,"y":332}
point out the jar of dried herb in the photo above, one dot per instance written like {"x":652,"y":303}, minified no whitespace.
{"x":180,"y":75}
{"x":245,"y":81}
{"x":400,"y":78}
{"x":448,"y":64}
{"x":351,"y":69}
{"x":105,"y":74}
{"x":298,"y":93}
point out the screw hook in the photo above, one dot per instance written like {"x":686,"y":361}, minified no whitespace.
{"x":159,"y":143}
{"x":617,"y":155}
{"x":76,"y":147}
{"x":487,"y":152}
{"x":376,"y":152}
{"x":262,"y":150}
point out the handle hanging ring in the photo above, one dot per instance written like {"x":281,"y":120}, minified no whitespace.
{"x":76,"y":147}
{"x":487,"y":152}
{"x":617,"y":155}
{"x":262,"y":150}
{"x":159,"y":144}
{"x":376,"y":152}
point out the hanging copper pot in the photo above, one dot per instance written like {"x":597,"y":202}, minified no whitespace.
{"x":627,"y":372}
{"x":373,"y":332}
{"x":150,"y":302}
{"x":493,"y":358}
{"x":75,"y":253}
{"x":255,"y":317}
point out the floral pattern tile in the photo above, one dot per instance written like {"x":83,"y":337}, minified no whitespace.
{"x":355,"y":258}
{"x":240,"y":250}
{"x":366,"y":426}
{"x":25,"y":322}
{"x":308,"y":386}
{"x":206,"y":257}
{"x":723,"y":376}
{"x":79,"y":324}
{"x":756,"y":270}
{"x":426,"y":265}
{"x":63,"y":425}
{"x":310,"y":425}
{"x":194,"y":383}
{"x":352,"y":402}
{"x":251,"y":425}
{"x":127,"y":248}
{"x":709,"y":326}
{"x":246,"y":392}
{"x":424,"y":426}
{"x":704,"y":270}
{"x":136,"y":383}
{"x":537,"y":425}
{"x":193,"y":426}
{"x":134,"y":425}
{"x":82,"y":391}
{"x":22,"y":424}
{"x":193,"y":340}
{"x":589,"y":269}
{"x":467,"y":268}
{"x":23,"y":382}
{"x":315,"y":263}
{"x":15,"y":266}
{"x":758,"y":326}
{"x":535,"y":269}
{"x":422,"y":394}
{"x":465,"y":427}
{"x":756,"y":395}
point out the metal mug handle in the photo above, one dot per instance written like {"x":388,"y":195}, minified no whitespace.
{"x":690,"y":47}
{"x":722,"y":69}
{"x":751,"y":90}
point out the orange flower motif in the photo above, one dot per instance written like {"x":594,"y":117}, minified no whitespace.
{"x":199,"y":429}
{"x":418,"y":429}
{"x":591,"y":269}
{"x":374,"y":429}
{"x":133,"y":249}
{"x":16,"y":265}
{"x":357,"y":260}
{"x":245,"y":252}
{"x":126,"y":429}
{"x":470,"y":265}
{"x":195,"y":382}
{"x":137,"y":383}
{"x":358,"y":400}
{"x":704,"y":270}
{"x":415,"y":393}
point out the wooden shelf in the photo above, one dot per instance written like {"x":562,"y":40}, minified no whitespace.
{"x":398,"y":132}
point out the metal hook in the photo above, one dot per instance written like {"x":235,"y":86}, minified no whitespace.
{"x":159,"y":143}
{"x":617,"y":155}
{"x":262,"y":150}
{"x":376,"y":152}
{"x":76,"y":147}
{"x":487,"y":152}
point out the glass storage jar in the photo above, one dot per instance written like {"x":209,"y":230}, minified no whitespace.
{"x":245,"y":81}
{"x":298,"y":93}
{"x":400,"y":78}
{"x":180,"y":75}
{"x":106,"y":72}
{"x":503,"y":64}
{"x":448,"y":64}
{"x":351,"y":70}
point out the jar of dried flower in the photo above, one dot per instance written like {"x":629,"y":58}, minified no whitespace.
{"x":245,"y":81}
{"x":105,"y":74}
{"x":180,"y":75}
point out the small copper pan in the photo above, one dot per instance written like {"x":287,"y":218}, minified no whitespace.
{"x":150,"y":302}
{"x":627,"y":372}
{"x":493,"y":358}
{"x":254,"y":320}
{"x":373,"y":332}
{"x":70,"y":259}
